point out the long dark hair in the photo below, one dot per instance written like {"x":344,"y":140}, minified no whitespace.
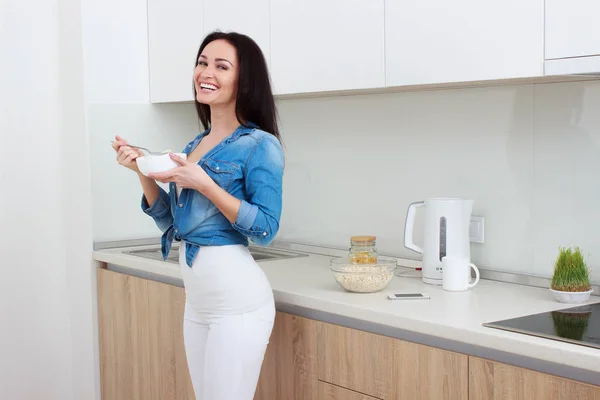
{"x":254,"y":101}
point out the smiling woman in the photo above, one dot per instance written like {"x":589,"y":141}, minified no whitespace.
{"x":216,"y":74}
{"x":234,"y":59}
{"x":227,"y":191}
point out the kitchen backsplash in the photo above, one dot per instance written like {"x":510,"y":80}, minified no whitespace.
{"x":527,"y":154}
{"x":116,"y":190}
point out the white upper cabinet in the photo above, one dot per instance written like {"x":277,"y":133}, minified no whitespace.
{"x":174,"y":36}
{"x":315,"y":46}
{"x":327,"y":45}
{"x":572,"y":28}
{"x":435,"y":41}
{"x":248,"y":17}
{"x":572,"y":36}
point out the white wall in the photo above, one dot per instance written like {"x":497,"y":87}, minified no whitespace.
{"x":46,"y":306}
{"x":529,"y":156}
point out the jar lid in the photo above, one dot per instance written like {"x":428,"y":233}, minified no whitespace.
{"x":362,"y":239}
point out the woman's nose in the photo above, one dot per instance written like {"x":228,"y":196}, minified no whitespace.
{"x":207,"y":72}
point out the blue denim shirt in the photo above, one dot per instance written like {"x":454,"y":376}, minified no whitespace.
{"x":248,"y":164}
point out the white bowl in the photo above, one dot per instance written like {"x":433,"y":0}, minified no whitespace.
{"x":157,"y":163}
{"x":571,"y":297}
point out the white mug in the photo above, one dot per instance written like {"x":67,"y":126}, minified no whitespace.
{"x":456,"y":274}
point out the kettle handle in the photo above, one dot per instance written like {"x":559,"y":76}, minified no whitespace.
{"x":409,"y":226}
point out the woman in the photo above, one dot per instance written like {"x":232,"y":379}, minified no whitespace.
{"x":227,"y":191}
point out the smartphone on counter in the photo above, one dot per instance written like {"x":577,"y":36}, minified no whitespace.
{"x":407,"y":296}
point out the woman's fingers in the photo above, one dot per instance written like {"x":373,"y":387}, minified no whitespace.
{"x":178,"y":159}
{"x":118,"y":143}
{"x":121,"y":154}
{"x":125,"y":153}
{"x":131,"y":157}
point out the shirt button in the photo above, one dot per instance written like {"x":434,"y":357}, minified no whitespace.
{"x":180,"y":204}
{"x":264,"y":233}
{"x":217,"y":168}
{"x":176,"y":230}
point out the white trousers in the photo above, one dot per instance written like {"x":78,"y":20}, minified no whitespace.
{"x":225,"y":352}
{"x":228,"y":319}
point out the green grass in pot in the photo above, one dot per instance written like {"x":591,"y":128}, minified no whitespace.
{"x":570,"y":272}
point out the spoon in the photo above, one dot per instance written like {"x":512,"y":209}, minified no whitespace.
{"x":152,"y":153}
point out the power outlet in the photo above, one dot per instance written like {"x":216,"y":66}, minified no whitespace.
{"x":477,"y":229}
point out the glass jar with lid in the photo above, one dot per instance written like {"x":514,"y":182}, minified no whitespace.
{"x":362,"y":250}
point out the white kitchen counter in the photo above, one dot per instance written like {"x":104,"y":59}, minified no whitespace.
{"x":451,"y":320}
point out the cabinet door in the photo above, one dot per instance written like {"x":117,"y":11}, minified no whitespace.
{"x":356,"y":360}
{"x":327,"y":45}
{"x":124,"y":337}
{"x":174,"y":36}
{"x":572,"y":28}
{"x":142,"y":355}
{"x":388,"y":368}
{"x":494,"y":381}
{"x":426,"y":373}
{"x":434,"y":41}
{"x":248,"y":17}
{"x":332,"y":392}
{"x":289,"y":370}
{"x":170,"y":375}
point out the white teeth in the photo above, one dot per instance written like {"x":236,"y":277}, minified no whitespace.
{"x":208,"y":86}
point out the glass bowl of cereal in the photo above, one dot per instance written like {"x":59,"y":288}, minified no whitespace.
{"x":365,"y":277}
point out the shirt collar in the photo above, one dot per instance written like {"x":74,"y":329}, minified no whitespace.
{"x":241,"y":130}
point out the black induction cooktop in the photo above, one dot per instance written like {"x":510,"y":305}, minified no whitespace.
{"x":578,"y":325}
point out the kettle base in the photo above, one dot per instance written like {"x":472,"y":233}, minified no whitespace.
{"x":432,"y":281}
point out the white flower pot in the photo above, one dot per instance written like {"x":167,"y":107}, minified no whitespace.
{"x":571,"y":297}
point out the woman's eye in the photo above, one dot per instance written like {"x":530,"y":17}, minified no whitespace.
{"x":224,"y":68}
{"x":203,"y":63}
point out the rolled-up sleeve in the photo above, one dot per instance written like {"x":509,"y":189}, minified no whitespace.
{"x":258,"y":216}
{"x":160,"y":210}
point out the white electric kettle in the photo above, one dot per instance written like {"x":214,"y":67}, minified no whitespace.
{"x":446,"y":232}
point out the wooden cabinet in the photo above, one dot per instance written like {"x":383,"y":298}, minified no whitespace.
{"x":142,"y":356}
{"x":141,"y":344}
{"x":388,"y":368}
{"x":124,"y":340}
{"x":572,"y":37}
{"x":248,"y":17}
{"x":427,"y":373}
{"x":319,"y":46}
{"x":289,"y":370}
{"x":175,"y":33}
{"x":490,"y":380}
{"x":355,"y":360}
{"x":170,"y":375}
{"x":332,"y":392}
{"x":467,"y":40}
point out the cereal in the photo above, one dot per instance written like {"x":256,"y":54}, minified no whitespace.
{"x":364,"y":278}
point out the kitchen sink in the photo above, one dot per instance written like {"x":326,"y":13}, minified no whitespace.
{"x":258,"y":253}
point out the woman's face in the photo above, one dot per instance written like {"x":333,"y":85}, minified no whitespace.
{"x":216,"y":74}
